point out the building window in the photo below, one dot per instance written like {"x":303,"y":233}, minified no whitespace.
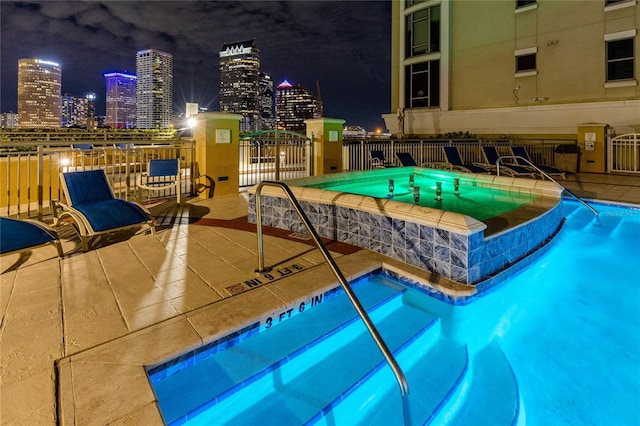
{"x":620,"y":59}
{"x":608,"y":2}
{"x":523,"y":3}
{"x":423,"y":32}
{"x":422,"y":85}
{"x":526,"y":62}
{"x":409,"y":3}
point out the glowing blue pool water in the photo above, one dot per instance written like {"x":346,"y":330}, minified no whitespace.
{"x":557,"y":344}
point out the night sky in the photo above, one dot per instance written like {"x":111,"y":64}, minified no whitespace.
{"x":345,"y":45}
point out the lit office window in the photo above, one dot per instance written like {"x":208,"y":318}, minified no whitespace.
{"x":620,"y":59}
{"x":526,"y":62}
{"x":422,"y":85}
{"x":423,"y":32}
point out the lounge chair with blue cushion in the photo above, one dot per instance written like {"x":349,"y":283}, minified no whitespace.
{"x":523,"y":159}
{"x":454,"y":162}
{"x":492,"y":156}
{"x":161,"y":175}
{"x":17,"y":236}
{"x":90,"y":203}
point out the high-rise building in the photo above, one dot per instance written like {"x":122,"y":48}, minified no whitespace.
{"x":265,"y":100}
{"x":91,"y":110}
{"x":154,"y":89}
{"x":239,"y":82}
{"x":39,"y":90}
{"x":548,"y":67}
{"x":74,"y":111}
{"x":121,"y":100}
{"x":294,"y":104}
{"x":9,"y":120}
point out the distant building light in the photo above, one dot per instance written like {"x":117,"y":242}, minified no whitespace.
{"x":40,"y":61}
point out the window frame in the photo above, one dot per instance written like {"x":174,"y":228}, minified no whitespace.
{"x":433,"y":27}
{"x":432,"y":97}
{"x":531,"y":52}
{"x":611,"y":61}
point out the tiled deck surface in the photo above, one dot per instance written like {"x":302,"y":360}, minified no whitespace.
{"x":76,"y":331}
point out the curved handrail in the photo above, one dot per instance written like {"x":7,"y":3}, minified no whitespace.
{"x":517,"y":157}
{"x":400,"y":377}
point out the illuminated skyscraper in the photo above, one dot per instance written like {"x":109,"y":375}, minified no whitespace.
{"x":39,"y":90}
{"x":121,"y":100}
{"x":265,"y":101}
{"x":294,"y":104}
{"x":239,"y":82}
{"x":74,"y":111}
{"x":154,"y":90}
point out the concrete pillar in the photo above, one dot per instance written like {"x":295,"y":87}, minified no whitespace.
{"x":326,"y":136}
{"x":217,"y":169}
{"x":592,"y":140}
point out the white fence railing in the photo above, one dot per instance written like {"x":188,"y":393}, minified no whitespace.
{"x":356,"y":154}
{"x":624,"y":153}
{"x":285,"y":157}
{"x":29,"y":171}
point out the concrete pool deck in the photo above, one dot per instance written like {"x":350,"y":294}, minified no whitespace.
{"x":76,"y":332}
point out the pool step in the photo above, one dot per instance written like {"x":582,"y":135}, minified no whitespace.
{"x":433,"y":371}
{"x":296,"y":391}
{"x":211,"y":378}
{"x":492,"y":397}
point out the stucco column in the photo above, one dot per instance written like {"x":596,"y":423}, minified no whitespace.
{"x":216,"y":171}
{"x":326,"y":136}
{"x":592,"y":139}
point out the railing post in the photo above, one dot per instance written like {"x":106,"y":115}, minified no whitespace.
{"x":40,"y":179}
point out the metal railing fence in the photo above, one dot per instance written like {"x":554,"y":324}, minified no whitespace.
{"x":29,"y":171}
{"x":287,"y":156}
{"x":624,"y":153}
{"x":425,"y":151}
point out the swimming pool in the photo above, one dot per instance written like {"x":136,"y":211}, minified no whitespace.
{"x":451,"y":244}
{"x":555,"y":344}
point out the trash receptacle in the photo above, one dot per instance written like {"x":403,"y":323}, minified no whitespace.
{"x":566,"y":157}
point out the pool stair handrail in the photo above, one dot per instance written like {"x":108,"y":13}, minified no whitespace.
{"x":386,"y":352}
{"x":544,"y":174}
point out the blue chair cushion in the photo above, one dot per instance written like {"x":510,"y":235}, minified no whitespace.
{"x":159,"y":168}
{"x":87,"y":187}
{"x":110,"y":214}
{"x":19,"y":235}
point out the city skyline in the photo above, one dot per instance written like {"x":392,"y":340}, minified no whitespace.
{"x":345,"y":46}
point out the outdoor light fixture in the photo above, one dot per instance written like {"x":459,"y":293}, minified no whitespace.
{"x":456,"y":186}
{"x":390,"y":188}
{"x":191,"y":122}
{"x":416,"y":194}
{"x":438,"y":191}
{"x":411,"y":182}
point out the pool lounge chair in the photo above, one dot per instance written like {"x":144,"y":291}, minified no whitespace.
{"x":378,"y":160}
{"x":161,"y":175}
{"x":525,"y":160}
{"x":406,"y":159}
{"x":90,"y":203}
{"x":491,"y":156}
{"x":454,"y":162}
{"x":18,"y":236}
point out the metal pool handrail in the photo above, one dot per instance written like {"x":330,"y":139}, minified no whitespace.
{"x":400,"y":377}
{"x":517,"y":157}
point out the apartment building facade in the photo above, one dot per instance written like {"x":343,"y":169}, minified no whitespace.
{"x":514,"y":67}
